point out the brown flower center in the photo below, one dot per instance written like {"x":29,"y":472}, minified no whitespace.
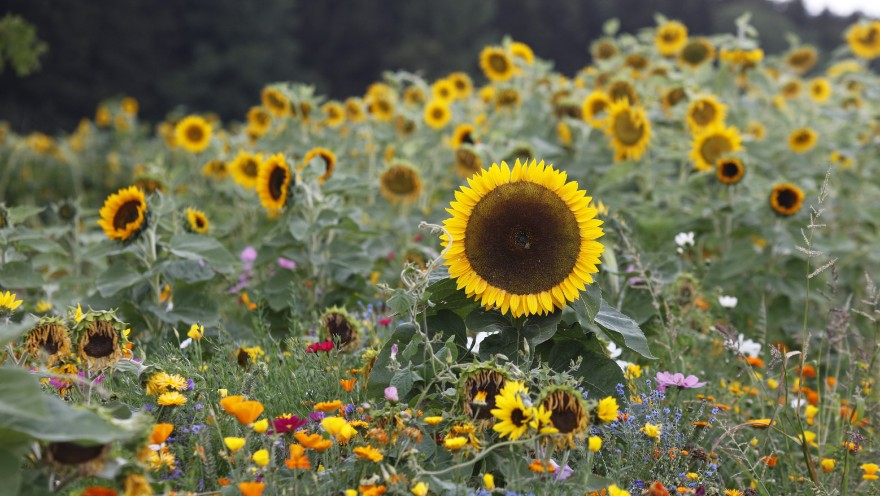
{"x":127,"y":213}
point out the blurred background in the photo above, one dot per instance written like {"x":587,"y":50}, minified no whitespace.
{"x":215,"y":56}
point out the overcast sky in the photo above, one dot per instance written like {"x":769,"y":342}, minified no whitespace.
{"x":845,"y":7}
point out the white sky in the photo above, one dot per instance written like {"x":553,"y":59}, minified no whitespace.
{"x":844,"y":7}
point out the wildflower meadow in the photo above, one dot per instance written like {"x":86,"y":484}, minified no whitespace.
{"x":654,"y":276}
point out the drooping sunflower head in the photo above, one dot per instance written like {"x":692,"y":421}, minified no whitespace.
{"x":462,"y":84}
{"x":195,"y":221}
{"x":324,"y":158}
{"x":245,"y":168}
{"x":86,"y":460}
{"x":483,"y":378}
{"x":802,"y":59}
{"x":705,"y":111}
{"x":671,"y":38}
{"x":276,"y":102}
{"x":567,"y":107}
{"x":595,"y":107}
{"x":354,"y":110}
{"x":820,"y":90}
{"x":437,"y":114}
{"x":713,"y":143}
{"x":98,"y":334}
{"x":729,"y":170}
{"x":523,"y":239}
{"x":215,"y":169}
{"x":274,"y":181}
{"x":696,"y":52}
{"x":400,"y":183}
{"x":258,"y":121}
{"x":124,"y":214}
{"x":864,"y":39}
{"x":193,"y":133}
{"x":334,"y":113}
{"x":496,"y":64}
{"x":467,"y":160}
{"x":604,"y":49}
{"x":636,"y":62}
{"x":463,"y":134}
{"x":522,"y":52}
{"x":568,"y":413}
{"x":623,"y":90}
{"x":786,"y":199}
{"x":49,"y":337}
{"x":339,"y":326}
{"x":628,"y":129}
{"x":802,"y":140}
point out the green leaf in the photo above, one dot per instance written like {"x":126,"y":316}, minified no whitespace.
{"x":19,"y":275}
{"x":598,"y":374}
{"x":19,"y":214}
{"x":11,"y":331}
{"x":197,"y":247}
{"x":117,"y":277}
{"x":186,"y":270}
{"x":12,"y":452}
{"x":444,"y":295}
{"x":449,"y":324}
{"x":403,"y":380}
{"x":380,"y":374}
{"x":612,"y":320}
{"x":401,"y":301}
{"x":68,"y":423}
{"x":541,"y":328}
{"x":20,"y":396}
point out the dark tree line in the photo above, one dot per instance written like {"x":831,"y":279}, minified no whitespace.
{"x":217,"y":55}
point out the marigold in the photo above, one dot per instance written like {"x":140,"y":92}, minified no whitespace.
{"x":607,"y":409}
{"x":368,"y":453}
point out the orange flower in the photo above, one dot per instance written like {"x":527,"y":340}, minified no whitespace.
{"x":160,"y":433}
{"x":98,"y":491}
{"x":312,"y":441}
{"x":759,"y":423}
{"x":808,"y":371}
{"x":538,"y":466}
{"x":251,"y":488}
{"x":811,"y":395}
{"x":229,"y":401}
{"x":247,"y":411}
{"x":328,"y":406}
{"x":368,"y":453}
{"x":701,"y":424}
{"x":372,"y":490}
{"x":770,"y":461}
{"x":657,"y":489}
{"x":297,"y":458}
{"x":755,"y":362}
{"x":348,"y":384}
{"x":223,"y":481}
{"x":831,"y":382}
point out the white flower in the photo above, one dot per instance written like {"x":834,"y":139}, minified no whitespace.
{"x":684,"y":239}
{"x":727,"y":301}
{"x":475,"y":341}
{"x":186,"y":342}
{"x":613,"y":350}
{"x":798,"y":403}
{"x":748,"y":347}
{"x":623,"y":364}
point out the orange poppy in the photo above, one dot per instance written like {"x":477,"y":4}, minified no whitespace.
{"x":297,"y":458}
{"x":160,"y":433}
{"x":348,"y":384}
{"x":312,"y":441}
{"x":247,"y":411}
{"x":770,"y":461}
{"x":251,"y":488}
{"x":229,"y":401}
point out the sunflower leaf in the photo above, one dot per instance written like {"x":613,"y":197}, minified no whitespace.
{"x":610,"y":319}
{"x":19,"y":275}
{"x":11,"y":331}
{"x":21,"y":213}
{"x":197,"y":247}
{"x":116,"y":278}
{"x":587,"y":306}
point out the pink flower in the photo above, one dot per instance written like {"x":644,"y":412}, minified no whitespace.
{"x":666,"y":379}
{"x":322,"y":346}
{"x":286,"y":263}
{"x":287,"y":424}
{"x":391,"y":393}
{"x":385,"y":321}
{"x":249,"y":254}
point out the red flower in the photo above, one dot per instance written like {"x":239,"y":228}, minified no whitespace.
{"x":322,"y":346}
{"x":385,"y":321}
{"x":287,"y":423}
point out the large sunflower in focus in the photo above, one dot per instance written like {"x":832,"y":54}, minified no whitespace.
{"x":629,"y":130}
{"x":496,"y":64}
{"x":522,"y":240}
{"x":713,"y":143}
{"x":273,"y":183}
{"x":124,"y":214}
{"x":193,"y":133}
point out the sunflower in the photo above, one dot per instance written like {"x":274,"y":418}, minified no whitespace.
{"x":216,"y":169}
{"x":820,"y":90}
{"x":756,"y":130}
{"x":801,"y":59}
{"x":273,"y":183}
{"x":636,"y":62}
{"x":354,"y":110}
{"x":400,"y":183}
{"x":697,"y":51}
{"x":463,"y":134}
{"x":50,"y":337}
{"x":791,"y":89}
{"x":563,"y":132}
{"x":864,"y":39}
{"x":443,"y":90}
{"x":414,"y":96}
{"x":522,"y":151}
{"x":327,"y":159}
{"x":404,"y":126}
{"x":99,"y":334}
{"x":193,"y":133}
{"x":629,"y":130}
{"x":623,"y":90}
{"x":729,"y":170}
{"x":672,"y":97}
{"x":802,"y":140}
{"x":88,"y":460}
{"x":604,"y":49}
{"x":467,"y":161}
{"x":66,"y":210}
{"x":462,"y":84}
{"x":595,"y":107}
{"x":522,"y":52}
{"x":437,"y":114}
{"x":568,"y":413}
{"x":276,"y":102}
{"x":786,"y":199}
{"x":334,"y":113}
{"x":704,"y":112}
{"x":712,"y":143}
{"x":496,"y":64}
{"x":339,"y":326}
{"x":507,"y":98}
{"x":512,"y":414}
{"x":484,"y":381}
{"x":124,"y":214}
{"x":567,"y":107}
{"x":522,"y":240}
{"x":671,"y":38}
{"x":381,"y":108}
{"x":196,"y":221}
{"x":245,"y":168}
{"x":258,"y":121}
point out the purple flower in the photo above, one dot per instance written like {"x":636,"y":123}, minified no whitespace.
{"x":394,"y":349}
{"x":391,"y":393}
{"x":248,"y":255}
{"x":190,"y":385}
{"x":286,"y":263}
{"x":316,"y":416}
{"x":666,"y":379}
{"x":563,"y":474}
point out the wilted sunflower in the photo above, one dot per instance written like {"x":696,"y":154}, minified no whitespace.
{"x":786,"y":199}
{"x":595,"y":108}
{"x":480,"y":378}
{"x":87,"y":460}
{"x":354,"y":110}
{"x":604,"y":49}
{"x":463,"y":134}
{"x":671,"y":38}
{"x":276,"y":102}
{"x":443,"y":90}
{"x":802,"y":140}
{"x":196,"y":221}
{"x":193,"y":133}
{"x":339,"y":326}
{"x":437,"y":114}
{"x":334,"y":113}
{"x":215,"y":169}
{"x":522,"y":240}
{"x":273,"y":183}
{"x":50,"y":337}
{"x":325,"y":157}
{"x":697,"y":51}
{"x":400,"y":183}
{"x":712,"y":143}
{"x":98,"y":334}
{"x":496,"y":64}
{"x":258,"y":121}
{"x":523,"y":52}
{"x":729,"y":170}
{"x":462,"y":84}
{"x":820,"y":90}
{"x":623,"y":90}
{"x":245,"y":168}
{"x":413,"y":96}
{"x":568,"y":413}
{"x":629,"y":130}
{"x":864,"y":39}
{"x":467,"y":160}
{"x":124,"y":214}
{"x":704,"y":112}
{"x":802,"y":59}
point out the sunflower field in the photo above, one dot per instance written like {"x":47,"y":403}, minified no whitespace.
{"x":654,"y":276}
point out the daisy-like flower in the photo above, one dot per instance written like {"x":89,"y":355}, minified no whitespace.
{"x":727,"y":301}
{"x":172,"y":398}
{"x":666,"y":379}
{"x":512,"y":414}
{"x":368,"y":453}
{"x":684,"y":239}
{"x":8,"y":302}
{"x":607,"y":409}
{"x":652,"y":431}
